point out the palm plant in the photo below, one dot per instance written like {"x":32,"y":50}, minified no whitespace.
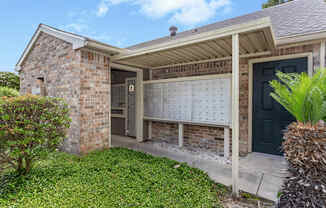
{"x":305,"y":140}
{"x":303,"y":96}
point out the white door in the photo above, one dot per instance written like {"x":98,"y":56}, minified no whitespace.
{"x":131,"y":107}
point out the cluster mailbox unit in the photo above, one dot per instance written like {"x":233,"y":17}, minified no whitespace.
{"x":202,"y":100}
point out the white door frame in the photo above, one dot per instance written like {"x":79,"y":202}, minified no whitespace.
{"x":139,"y":99}
{"x":250,"y":96}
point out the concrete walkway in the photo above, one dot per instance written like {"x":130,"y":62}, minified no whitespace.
{"x":260,"y":174}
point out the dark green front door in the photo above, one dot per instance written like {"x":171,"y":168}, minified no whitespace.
{"x":269,"y":117}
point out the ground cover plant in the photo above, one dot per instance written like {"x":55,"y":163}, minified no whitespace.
{"x":112,"y":178}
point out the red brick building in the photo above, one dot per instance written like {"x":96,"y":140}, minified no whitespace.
{"x":249,"y":49}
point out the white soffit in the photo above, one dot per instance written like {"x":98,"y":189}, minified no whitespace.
{"x":256,"y":37}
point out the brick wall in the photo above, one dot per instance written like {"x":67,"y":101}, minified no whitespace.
{"x":210,"y":137}
{"x":56,"y":62}
{"x":82,"y":80}
{"x":217,"y":67}
{"x":165,"y":131}
{"x":95,"y":90}
{"x":204,"y":137}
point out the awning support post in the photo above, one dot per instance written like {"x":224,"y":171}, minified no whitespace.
{"x":150,"y":133}
{"x":322,"y":54}
{"x":235,"y":114}
{"x":180,"y":134}
{"x":139,"y":106}
{"x":226,"y":142}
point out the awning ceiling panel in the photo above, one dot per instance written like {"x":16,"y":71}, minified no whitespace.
{"x":252,"y":43}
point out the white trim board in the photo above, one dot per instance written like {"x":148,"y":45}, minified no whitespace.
{"x":118,"y":85}
{"x":186,"y":122}
{"x":118,"y":116}
{"x":125,"y":67}
{"x":191,"y":78}
{"x":250,"y":83}
{"x":300,"y":38}
{"x":132,"y":65}
{"x":312,"y":42}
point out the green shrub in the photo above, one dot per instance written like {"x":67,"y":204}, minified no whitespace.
{"x":8,"y":92}
{"x":304,"y":142}
{"x":303,"y":96}
{"x":9,"y":79}
{"x":30,"y":127}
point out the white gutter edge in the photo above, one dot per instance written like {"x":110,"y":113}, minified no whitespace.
{"x":110,"y":49}
{"x":300,"y":38}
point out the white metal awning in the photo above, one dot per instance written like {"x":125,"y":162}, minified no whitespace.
{"x":256,"y":38}
{"x":244,"y":40}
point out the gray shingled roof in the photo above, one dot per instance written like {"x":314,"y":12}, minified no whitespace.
{"x":297,"y":17}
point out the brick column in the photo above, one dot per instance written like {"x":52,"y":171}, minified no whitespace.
{"x":95,"y":106}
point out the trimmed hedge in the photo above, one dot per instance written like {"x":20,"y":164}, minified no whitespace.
{"x":9,"y":79}
{"x":117,"y":177}
{"x":30,"y":127}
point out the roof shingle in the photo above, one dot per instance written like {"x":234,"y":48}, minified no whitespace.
{"x":298,"y":17}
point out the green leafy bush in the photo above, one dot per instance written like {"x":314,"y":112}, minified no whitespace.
{"x":9,"y":79}
{"x":303,"y":96}
{"x":30,"y":127}
{"x":8,"y":92}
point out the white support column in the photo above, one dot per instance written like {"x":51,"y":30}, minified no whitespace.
{"x":235,"y":114}
{"x":322,"y":54}
{"x":180,"y":134}
{"x":139,"y":107}
{"x":150,"y":136}
{"x":110,"y":107}
{"x":322,"y":59}
{"x":226,"y":142}
{"x":150,"y":130}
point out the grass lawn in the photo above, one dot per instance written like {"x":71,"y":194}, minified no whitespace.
{"x":114,"y":178}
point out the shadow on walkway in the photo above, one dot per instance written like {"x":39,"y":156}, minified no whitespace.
{"x":260,"y":174}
